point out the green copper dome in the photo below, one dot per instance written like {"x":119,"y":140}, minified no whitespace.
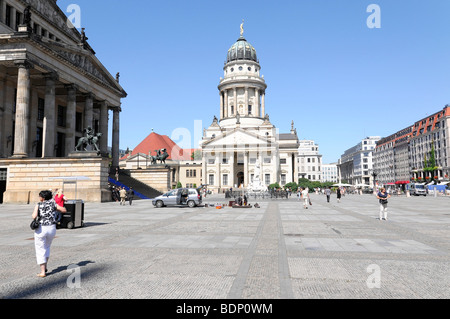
{"x":241,"y":50}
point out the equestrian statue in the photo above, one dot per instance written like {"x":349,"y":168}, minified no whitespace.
{"x":161,"y":155}
{"x":90,"y":139}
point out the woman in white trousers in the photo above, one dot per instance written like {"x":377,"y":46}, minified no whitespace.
{"x":47,"y":211}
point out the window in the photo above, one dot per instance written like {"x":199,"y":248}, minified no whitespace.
{"x":249,"y":109}
{"x":225,"y":179}
{"x":224,"y":160}
{"x":267,"y":179}
{"x":211,"y":179}
{"x":282,"y":161}
{"x":283,"y":179}
{"x":267,"y":160}
{"x":211,"y":161}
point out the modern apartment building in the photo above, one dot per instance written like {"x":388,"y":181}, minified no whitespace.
{"x":330,"y":173}
{"x":391,"y":158}
{"x":309,"y":161}
{"x":405,"y":155}
{"x":356,"y":165}
{"x":431,"y":135}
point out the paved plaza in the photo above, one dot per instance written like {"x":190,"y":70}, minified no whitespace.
{"x":279,"y":251}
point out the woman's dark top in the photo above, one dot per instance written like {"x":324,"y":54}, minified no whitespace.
{"x":48,"y":213}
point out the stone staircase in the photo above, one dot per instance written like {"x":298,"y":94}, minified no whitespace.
{"x":141,"y":190}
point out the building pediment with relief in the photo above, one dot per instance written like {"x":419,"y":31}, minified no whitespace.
{"x":239,"y":138}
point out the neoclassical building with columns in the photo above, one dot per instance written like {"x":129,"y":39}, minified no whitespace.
{"x":52,"y":87}
{"x":243,"y":144}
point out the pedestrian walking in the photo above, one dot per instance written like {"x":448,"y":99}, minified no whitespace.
{"x":328,"y":193}
{"x":123,"y":195}
{"x":47,"y":212}
{"x":383,"y":197}
{"x":130,"y":195}
{"x":305,"y":197}
{"x":338,"y":193}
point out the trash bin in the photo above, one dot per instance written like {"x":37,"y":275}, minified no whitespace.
{"x":74,"y":218}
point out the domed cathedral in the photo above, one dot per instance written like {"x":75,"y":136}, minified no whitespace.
{"x":242,"y":148}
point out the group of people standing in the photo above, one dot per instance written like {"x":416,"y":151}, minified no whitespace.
{"x":120,"y":194}
{"x":382,"y":196}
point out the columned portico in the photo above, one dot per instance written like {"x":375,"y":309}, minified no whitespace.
{"x":52,"y":87}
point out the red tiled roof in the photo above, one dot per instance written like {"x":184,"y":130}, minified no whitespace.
{"x":155,"y":142}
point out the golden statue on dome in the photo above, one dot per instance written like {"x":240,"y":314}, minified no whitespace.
{"x":242,"y":28}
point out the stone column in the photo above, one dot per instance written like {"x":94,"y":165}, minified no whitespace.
{"x":116,"y":137}
{"x":89,"y":111}
{"x":204,"y":168}
{"x":218,"y":182}
{"x":226,"y":103}
{"x":263,"y":104}
{"x":246,"y":175}
{"x":71,"y":117}
{"x":246,"y":101}
{"x":258,"y":102}
{"x":221,"y":105}
{"x":22,"y":109}
{"x":104,"y":126}
{"x":48,"y":145}
{"x":232,"y":174}
{"x":2,"y":110}
{"x":236,"y":110}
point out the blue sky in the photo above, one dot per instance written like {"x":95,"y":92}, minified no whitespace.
{"x":339,"y":80}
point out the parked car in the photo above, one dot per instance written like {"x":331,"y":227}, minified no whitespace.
{"x":418,"y":189}
{"x":181,"y":196}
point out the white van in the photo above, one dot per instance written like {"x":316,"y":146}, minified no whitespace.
{"x":418,"y":189}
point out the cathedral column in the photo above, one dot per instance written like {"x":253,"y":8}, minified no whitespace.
{"x":204,"y":169}
{"x":89,"y":111}
{"x":246,"y":101}
{"x":246,"y":175}
{"x":221,"y":106}
{"x":22,"y":109}
{"x":226,"y":103}
{"x":2,"y":110}
{"x":104,"y":127}
{"x":236,"y":110}
{"x":71,"y":117}
{"x":48,"y":145}
{"x":263,"y":104}
{"x":116,"y":137}
{"x":258,"y":103}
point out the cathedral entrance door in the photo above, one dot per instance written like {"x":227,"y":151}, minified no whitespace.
{"x":240,"y":178}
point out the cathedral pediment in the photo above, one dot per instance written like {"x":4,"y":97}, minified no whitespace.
{"x":237,"y":137}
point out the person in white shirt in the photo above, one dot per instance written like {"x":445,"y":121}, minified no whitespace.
{"x":305,"y":196}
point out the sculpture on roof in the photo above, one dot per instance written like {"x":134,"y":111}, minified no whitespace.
{"x":27,"y":16}
{"x":242,"y":28}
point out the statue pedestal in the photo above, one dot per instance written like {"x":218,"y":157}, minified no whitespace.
{"x":27,"y":177}
{"x":89,"y":154}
